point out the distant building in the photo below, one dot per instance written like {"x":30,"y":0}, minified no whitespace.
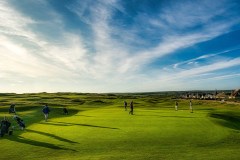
{"x":211,"y":95}
{"x":235,"y":94}
{"x":221,"y":95}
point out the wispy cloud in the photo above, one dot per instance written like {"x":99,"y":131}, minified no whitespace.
{"x":32,"y":55}
{"x":210,"y":68}
{"x":206,"y":56}
{"x":111,"y":51}
{"x":214,"y":78}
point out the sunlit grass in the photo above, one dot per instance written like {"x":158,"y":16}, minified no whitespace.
{"x":97,"y":127}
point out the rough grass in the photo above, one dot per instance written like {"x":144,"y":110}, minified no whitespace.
{"x":99,"y":128}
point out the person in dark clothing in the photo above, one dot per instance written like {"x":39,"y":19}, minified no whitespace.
{"x":131,"y":108}
{"x":65,"y":111}
{"x":4,"y":127}
{"x":125,"y":105}
{"x":12,"y":109}
{"x":46,"y":111}
{"x":20,"y":122}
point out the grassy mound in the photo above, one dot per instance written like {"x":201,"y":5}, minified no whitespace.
{"x":227,"y":119}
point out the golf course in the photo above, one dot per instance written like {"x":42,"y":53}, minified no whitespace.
{"x":98,"y":127}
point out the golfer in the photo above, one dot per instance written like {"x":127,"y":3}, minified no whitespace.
{"x":176,"y":106}
{"x":12,"y":108}
{"x":190,"y":105}
{"x":46,"y":111}
{"x":131,"y":108}
{"x":125,"y":105}
{"x":65,"y":111}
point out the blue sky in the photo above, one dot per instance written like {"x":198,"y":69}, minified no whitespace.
{"x":119,"y":45}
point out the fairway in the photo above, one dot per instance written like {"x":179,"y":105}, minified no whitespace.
{"x":98,"y":127}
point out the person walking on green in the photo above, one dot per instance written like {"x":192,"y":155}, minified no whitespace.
{"x":46,"y":111}
{"x":125,"y":105}
{"x":190,"y":105}
{"x":176,"y":106}
{"x":131,"y":108}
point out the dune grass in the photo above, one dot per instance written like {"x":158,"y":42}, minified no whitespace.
{"x":97,"y":127}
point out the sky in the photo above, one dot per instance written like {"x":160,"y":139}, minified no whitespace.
{"x":119,"y":45}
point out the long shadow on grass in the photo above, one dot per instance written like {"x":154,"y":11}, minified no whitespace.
{"x":164,"y":116}
{"x":177,"y":117}
{"x":37,"y":143}
{"x":55,"y":124}
{"x":230,"y":120}
{"x":51,"y":135}
{"x":82,"y":115}
{"x":78,"y":124}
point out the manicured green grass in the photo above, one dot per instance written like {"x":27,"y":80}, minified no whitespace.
{"x":97,"y":127}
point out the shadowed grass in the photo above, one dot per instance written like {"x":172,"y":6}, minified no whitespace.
{"x":227,"y":119}
{"x":37,"y":143}
{"x":73,"y":124}
{"x":51,"y":135}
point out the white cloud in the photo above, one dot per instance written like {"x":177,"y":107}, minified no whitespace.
{"x":112,"y":53}
{"x":176,"y":15}
{"x":214,"y":78}
{"x":43,"y":59}
{"x":203,"y":57}
{"x":210,"y":68}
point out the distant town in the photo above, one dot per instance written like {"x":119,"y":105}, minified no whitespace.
{"x":211,"y":95}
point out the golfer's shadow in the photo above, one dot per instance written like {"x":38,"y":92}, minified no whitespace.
{"x":78,"y":124}
{"x":51,"y":136}
{"x":23,"y":140}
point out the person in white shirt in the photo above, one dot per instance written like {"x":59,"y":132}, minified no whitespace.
{"x":190,"y":105}
{"x":176,"y":106}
